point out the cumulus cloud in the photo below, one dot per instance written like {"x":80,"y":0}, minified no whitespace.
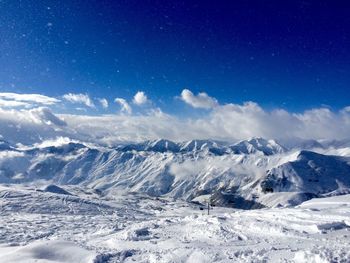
{"x":125,"y":107}
{"x":201,"y":100}
{"x":79,"y":98}
{"x":140,"y":98}
{"x":229,"y":122}
{"x":104,"y":103}
{"x":346,"y":109}
{"x":9,"y":99}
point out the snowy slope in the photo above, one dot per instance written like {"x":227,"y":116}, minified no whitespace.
{"x":52,"y":251}
{"x":40,"y":226}
{"x":311,"y":173}
{"x":242,"y":175}
{"x":258,"y":145}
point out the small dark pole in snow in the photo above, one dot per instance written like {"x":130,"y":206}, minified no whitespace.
{"x":208,"y":206}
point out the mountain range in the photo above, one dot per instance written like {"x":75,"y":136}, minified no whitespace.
{"x":252,"y":173}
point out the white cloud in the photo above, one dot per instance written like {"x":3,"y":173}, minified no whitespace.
{"x":29,"y":126}
{"x":125,"y":107}
{"x":9,"y":99}
{"x":140,"y":98}
{"x":216,"y":164}
{"x":201,"y":100}
{"x":44,"y":115}
{"x":56,"y":142}
{"x":13,"y":104}
{"x":104,"y":103}
{"x":228,"y":122}
{"x":346,"y":109}
{"x":79,"y":98}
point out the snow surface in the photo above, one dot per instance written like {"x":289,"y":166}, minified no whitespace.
{"x":68,"y":201}
{"x":47,"y":251}
{"x":38,"y":226}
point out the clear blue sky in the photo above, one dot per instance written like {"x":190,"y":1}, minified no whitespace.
{"x":289,"y":54}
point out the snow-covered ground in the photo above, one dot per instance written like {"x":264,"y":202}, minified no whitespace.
{"x":49,"y":226}
{"x":68,"y":201}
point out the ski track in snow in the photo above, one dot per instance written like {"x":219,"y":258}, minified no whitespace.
{"x":40,"y":226}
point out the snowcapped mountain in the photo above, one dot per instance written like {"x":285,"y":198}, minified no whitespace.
{"x":310,"y":173}
{"x":163,"y":145}
{"x":258,"y":145}
{"x":304,"y":144}
{"x":251,"y":173}
{"x":160,"y":145}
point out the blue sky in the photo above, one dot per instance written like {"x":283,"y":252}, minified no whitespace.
{"x":292,"y":54}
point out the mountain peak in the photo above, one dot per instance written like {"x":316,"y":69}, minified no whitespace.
{"x":258,"y":145}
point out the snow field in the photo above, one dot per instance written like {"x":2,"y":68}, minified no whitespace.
{"x":48,"y":227}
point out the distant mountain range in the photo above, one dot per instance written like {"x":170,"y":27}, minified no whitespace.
{"x":251,"y":173}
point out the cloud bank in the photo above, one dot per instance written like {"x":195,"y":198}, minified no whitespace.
{"x":229,"y":122}
{"x":9,"y":99}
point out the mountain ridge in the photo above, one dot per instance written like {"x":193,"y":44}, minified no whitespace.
{"x":181,"y":170}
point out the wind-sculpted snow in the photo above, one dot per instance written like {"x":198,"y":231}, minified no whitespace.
{"x":243,"y":175}
{"x":39,"y":226}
